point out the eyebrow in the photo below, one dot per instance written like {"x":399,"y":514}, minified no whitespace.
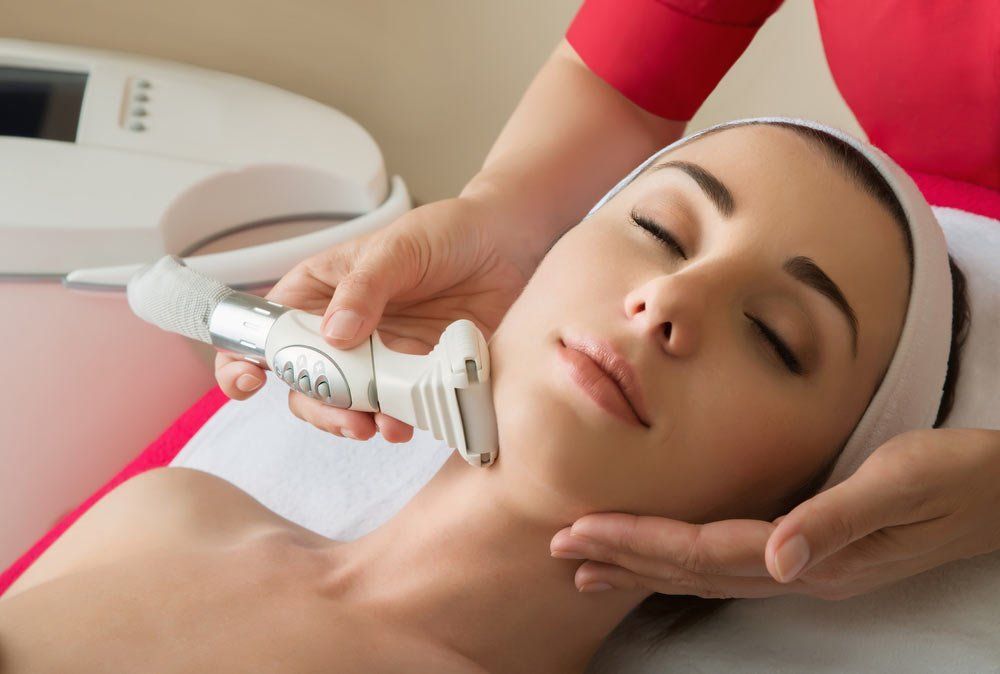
{"x":713,"y":188}
{"x":807,"y":271}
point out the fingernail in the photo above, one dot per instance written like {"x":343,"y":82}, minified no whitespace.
{"x":564,"y":546}
{"x":594,"y":587}
{"x":587,"y":530}
{"x":791,"y":557}
{"x":564,"y":553}
{"x":343,"y":324}
{"x":350,"y":435}
{"x":247,"y":383}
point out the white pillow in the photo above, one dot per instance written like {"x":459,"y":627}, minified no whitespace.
{"x":947,"y":619}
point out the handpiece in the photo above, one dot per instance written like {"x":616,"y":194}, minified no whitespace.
{"x":446,"y":392}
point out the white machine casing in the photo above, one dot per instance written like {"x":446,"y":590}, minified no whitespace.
{"x":167,"y":159}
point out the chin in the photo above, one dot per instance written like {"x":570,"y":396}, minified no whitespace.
{"x":543,"y":438}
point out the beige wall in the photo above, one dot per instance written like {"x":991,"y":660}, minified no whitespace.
{"x":432,"y":80}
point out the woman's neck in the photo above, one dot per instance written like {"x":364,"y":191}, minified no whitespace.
{"x":467,"y":563}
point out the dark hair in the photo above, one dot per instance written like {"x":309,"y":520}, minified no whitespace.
{"x":661,"y":616}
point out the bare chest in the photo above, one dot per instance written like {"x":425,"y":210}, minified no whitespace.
{"x":254,"y":606}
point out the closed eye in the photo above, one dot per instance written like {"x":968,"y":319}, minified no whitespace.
{"x":781,"y":349}
{"x":659,"y":233}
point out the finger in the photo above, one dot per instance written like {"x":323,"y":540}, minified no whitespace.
{"x":654,"y":567}
{"x":848,"y":574}
{"x":890,"y":548}
{"x":392,"y":429}
{"x":405,"y":344}
{"x":310,"y":284}
{"x":592,"y":576}
{"x":876,"y":496}
{"x":902,"y":542}
{"x":595,"y":577}
{"x":238,"y":379}
{"x":389,"y":265}
{"x":349,"y":423}
{"x":728,"y":547}
{"x":581,"y":548}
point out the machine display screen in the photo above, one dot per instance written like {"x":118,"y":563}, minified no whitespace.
{"x":40,"y":103}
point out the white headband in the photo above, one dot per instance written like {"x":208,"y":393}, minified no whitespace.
{"x":910,"y":393}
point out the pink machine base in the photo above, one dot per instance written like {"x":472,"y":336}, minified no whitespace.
{"x":160,"y":453}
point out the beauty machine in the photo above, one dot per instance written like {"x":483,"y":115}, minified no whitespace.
{"x":446,"y":391}
{"x":108,"y":162}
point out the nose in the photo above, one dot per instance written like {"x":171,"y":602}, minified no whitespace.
{"x":671,"y":310}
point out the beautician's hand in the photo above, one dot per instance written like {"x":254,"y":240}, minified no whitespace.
{"x":434,"y":265}
{"x":922,"y":499}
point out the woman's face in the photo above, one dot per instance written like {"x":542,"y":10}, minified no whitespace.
{"x":733,"y":423}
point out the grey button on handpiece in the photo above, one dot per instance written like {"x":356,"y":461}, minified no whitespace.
{"x":316,"y":374}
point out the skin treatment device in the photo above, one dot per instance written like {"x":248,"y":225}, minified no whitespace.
{"x":446,"y":391}
{"x":108,"y":162}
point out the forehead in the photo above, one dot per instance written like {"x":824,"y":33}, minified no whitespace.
{"x":785,"y":182}
{"x":765,"y":165}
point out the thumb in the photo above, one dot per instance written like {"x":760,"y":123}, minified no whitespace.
{"x":863,"y":503}
{"x":385,"y":269}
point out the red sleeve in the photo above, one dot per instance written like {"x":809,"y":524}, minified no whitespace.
{"x":665,"y":56}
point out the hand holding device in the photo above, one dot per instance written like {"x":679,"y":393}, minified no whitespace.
{"x":446,"y":391}
{"x":433,"y":265}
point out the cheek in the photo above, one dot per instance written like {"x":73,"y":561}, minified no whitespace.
{"x":739,"y":444}
{"x":770,"y":446}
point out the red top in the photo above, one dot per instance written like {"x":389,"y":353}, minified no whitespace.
{"x":922,"y":78}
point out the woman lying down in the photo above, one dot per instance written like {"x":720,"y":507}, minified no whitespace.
{"x":776,"y":305}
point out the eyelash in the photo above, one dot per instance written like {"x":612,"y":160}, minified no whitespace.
{"x":780,"y":348}
{"x":658,"y":232}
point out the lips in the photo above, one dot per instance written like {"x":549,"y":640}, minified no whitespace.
{"x":606,"y":376}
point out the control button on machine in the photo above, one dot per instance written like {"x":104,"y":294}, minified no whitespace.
{"x":143,"y":84}
{"x":139,"y":111}
{"x":314,"y":373}
{"x":304,"y":385}
{"x":137,"y":126}
{"x":140,"y":98}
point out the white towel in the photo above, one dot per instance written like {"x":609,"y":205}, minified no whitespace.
{"x":944,"y":620}
{"x":334,"y":486}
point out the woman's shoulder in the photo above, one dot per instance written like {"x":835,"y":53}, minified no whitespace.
{"x":176,"y":508}
{"x":196,"y":501}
